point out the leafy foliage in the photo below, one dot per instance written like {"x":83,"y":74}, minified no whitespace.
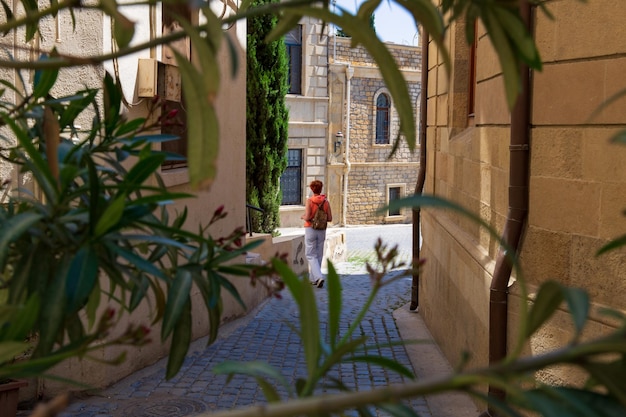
{"x":101,"y":235}
{"x":267,"y":120}
{"x":322,"y":356}
{"x":98,"y":231}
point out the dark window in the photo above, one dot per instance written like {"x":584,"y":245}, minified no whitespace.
{"x":169,"y":86}
{"x":293,"y":40}
{"x":291,"y":180}
{"x":472,"y":77}
{"x":382,"y":119}
{"x":394,"y":194}
{"x":176,"y":126}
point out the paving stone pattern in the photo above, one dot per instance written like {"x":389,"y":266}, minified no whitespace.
{"x":265,"y":335}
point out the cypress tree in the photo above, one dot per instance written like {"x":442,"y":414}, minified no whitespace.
{"x":267,"y":120}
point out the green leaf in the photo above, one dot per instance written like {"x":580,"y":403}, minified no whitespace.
{"x":159,"y":301}
{"x":578,"y":303}
{"x":22,"y":320}
{"x":228,"y":286}
{"x":123,"y":29}
{"x":215,"y":314}
{"x":615,"y":243}
{"x":201,"y":87}
{"x":337,"y":354}
{"x":271,"y":395}
{"x":112,"y":104}
{"x":139,"y":291}
{"x":44,"y":80}
{"x":366,"y":9}
{"x":334,"y":303}
{"x":289,"y":278}
{"x":384,"y":362}
{"x":506,"y":56}
{"x":132,"y":126}
{"x":569,"y":402}
{"x":142,"y":139}
{"x":9,"y":350}
{"x":13,"y":229}
{"x":8,"y":13}
{"x":548,"y":299}
{"x":76,"y":104}
{"x":154,"y":239}
{"x":93,"y":303}
{"x":610,"y":375}
{"x":521,"y":39}
{"x":180,"y":340}
{"x":398,"y":410}
{"x":177,"y":298}
{"x":143,"y":169}
{"x":202,"y":124}
{"x":35,"y":161}
{"x":111,"y":216}
{"x":94,"y":195}
{"x":426,"y":200}
{"x":309,"y":326}
{"x":256,"y":369}
{"x":287,"y":22}
{"x":81,"y":277}
{"x":53,"y":308}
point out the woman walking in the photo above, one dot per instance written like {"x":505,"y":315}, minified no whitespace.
{"x":314,"y":232}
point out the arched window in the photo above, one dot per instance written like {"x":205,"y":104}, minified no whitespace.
{"x":383,"y":110}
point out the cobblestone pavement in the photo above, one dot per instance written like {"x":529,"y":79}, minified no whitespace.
{"x":267,"y":335}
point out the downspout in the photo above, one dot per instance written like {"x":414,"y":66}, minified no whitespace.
{"x":421,"y":176}
{"x":349,"y":74}
{"x":519,"y":169}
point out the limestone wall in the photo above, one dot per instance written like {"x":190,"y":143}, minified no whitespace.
{"x":577,"y":180}
{"x":308,"y":114}
{"x":365,"y":169}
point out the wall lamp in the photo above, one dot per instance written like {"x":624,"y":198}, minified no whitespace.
{"x":338,"y":140}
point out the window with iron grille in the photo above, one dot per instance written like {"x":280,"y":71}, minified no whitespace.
{"x":383,"y":107}
{"x":293,"y":41}
{"x":291,"y":180}
{"x":394,"y":194}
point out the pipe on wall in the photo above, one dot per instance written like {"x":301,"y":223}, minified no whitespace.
{"x":349,"y":74}
{"x":519,"y":171}
{"x":421,"y":176}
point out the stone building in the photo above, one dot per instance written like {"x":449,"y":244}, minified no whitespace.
{"x":361,"y":170}
{"x":333,"y":129}
{"x":307,"y":47}
{"x":143,"y":75}
{"x":572,"y":182}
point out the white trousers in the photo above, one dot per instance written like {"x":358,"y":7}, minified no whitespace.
{"x":314,"y":241}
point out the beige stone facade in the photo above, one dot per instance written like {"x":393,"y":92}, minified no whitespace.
{"x":358,"y":175}
{"x":308,"y":116}
{"x":577,"y":179}
{"x":364,"y":175}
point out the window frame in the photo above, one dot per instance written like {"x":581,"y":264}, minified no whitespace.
{"x":169,"y":78}
{"x":387,"y":116}
{"x":298,"y":182}
{"x":294,"y":45}
{"x":401,"y":192}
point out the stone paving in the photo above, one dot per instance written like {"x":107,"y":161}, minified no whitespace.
{"x":263,"y":335}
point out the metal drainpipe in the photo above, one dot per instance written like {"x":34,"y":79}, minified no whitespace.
{"x":421,"y":176}
{"x":519,"y":170}
{"x":349,"y":74}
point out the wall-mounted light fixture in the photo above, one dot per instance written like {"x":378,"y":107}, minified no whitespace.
{"x":338,"y":140}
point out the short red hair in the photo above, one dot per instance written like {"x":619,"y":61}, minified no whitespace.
{"x":316,"y":186}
